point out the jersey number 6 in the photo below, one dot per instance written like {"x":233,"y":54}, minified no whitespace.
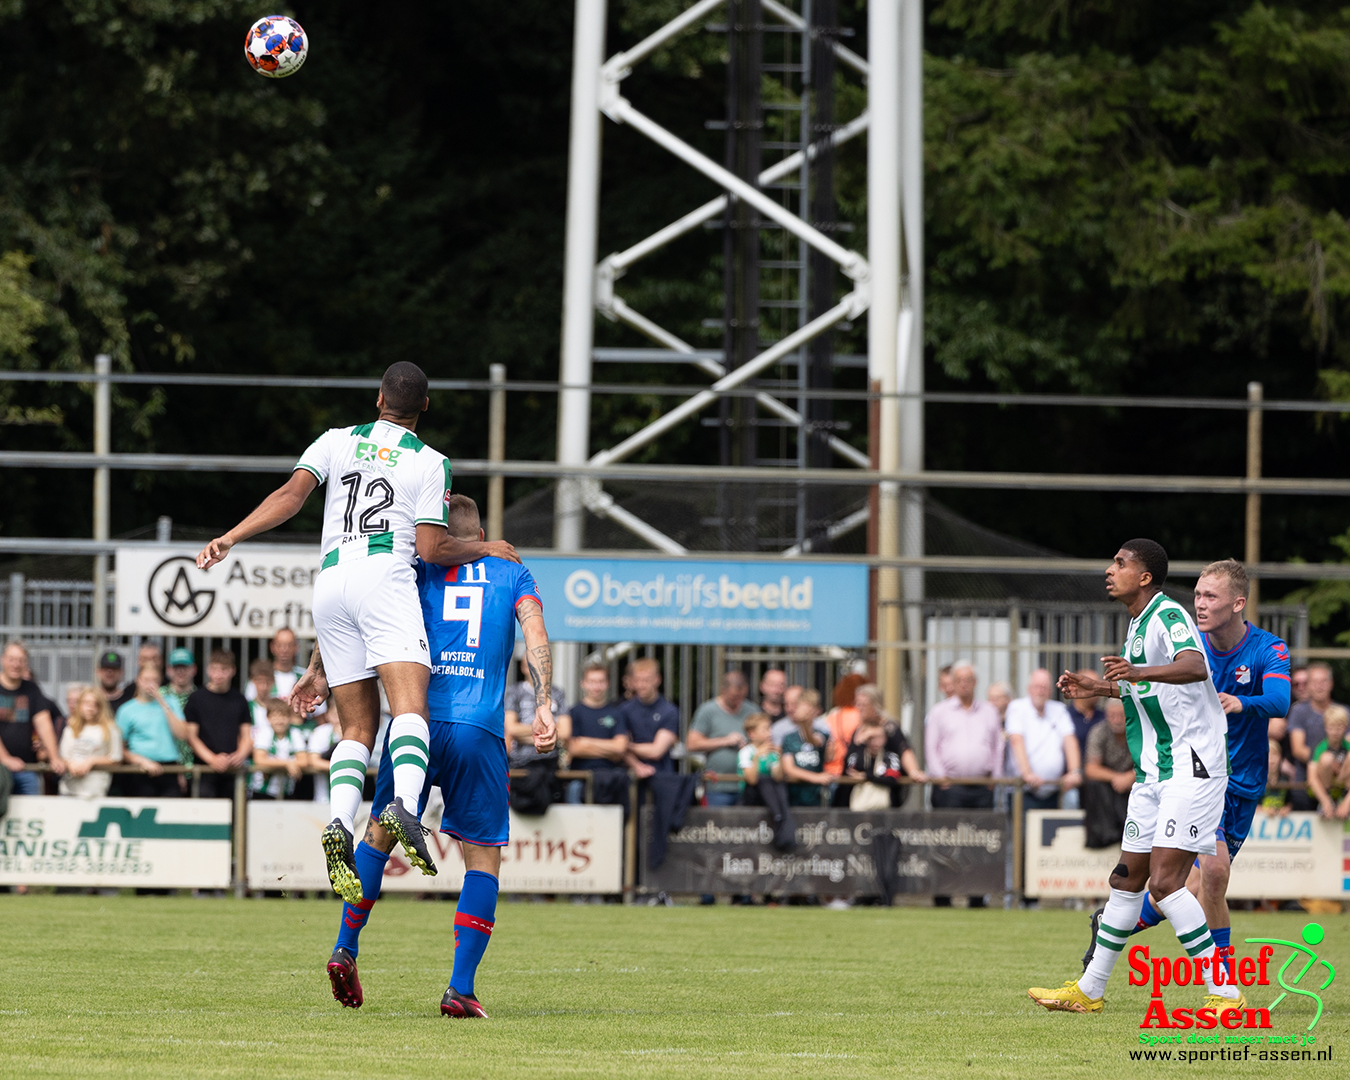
{"x":473,"y":614}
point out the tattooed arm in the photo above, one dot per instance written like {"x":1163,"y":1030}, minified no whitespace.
{"x":539,"y":663}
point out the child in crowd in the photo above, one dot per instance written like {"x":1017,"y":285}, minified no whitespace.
{"x":1329,"y":766}
{"x":759,"y":757}
{"x":805,"y":752}
{"x":90,"y":738}
{"x":260,"y":676}
{"x":279,"y":754}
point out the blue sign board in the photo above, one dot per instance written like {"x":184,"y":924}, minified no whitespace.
{"x":704,"y":602}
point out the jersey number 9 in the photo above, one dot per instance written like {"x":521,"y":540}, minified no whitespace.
{"x":472,"y":615}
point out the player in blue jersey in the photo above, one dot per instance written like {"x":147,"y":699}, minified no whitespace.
{"x":1250,"y":668}
{"x":470,"y":613}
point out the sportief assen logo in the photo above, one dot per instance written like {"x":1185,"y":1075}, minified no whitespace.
{"x":1164,"y":971}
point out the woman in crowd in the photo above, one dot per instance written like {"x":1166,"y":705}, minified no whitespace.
{"x":90,"y":739}
{"x":842,"y":720}
{"x":878,"y":754}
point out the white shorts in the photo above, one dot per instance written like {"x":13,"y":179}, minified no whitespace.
{"x":366,"y":613}
{"x":1179,"y":813}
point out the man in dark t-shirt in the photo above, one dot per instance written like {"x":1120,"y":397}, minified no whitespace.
{"x":653,"y":722}
{"x":599,"y":736}
{"x":25,"y":715}
{"x":219,"y":726}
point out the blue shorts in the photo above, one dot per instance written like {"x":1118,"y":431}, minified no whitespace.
{"x":468,"y":764}
{"x":1238,"y":811}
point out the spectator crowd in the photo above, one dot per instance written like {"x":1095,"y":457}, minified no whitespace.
{"x":845,"y":752}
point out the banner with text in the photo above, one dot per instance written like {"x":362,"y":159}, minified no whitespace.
{"x":257,"y":590}
{"x":1284,"y":857}
{"x":162,"y":843}
{"x":570,"y":849}
{"x":691,"y":602}
{"x":730,"y":851}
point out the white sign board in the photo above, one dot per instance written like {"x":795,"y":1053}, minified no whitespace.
{"x":570,"y":849}
{"x":254,"y":592}
{"x":1297,"y":855}
{"x":161,"y":843}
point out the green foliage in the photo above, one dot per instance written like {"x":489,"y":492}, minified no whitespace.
{"x":1089,"y":203}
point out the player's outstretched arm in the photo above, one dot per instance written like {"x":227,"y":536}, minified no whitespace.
{"x":435,"y":545}
{"x":1075,"y":684}
{"x":278,"y":508}
{"x":539,"y":663}
{"x":1188,"y":667}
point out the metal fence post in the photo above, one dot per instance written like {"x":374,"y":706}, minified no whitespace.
{"x":630,"y":844}
{"x":1019,"y":841}
{"x":102,"y":490}
{"x":496,"y":488}
{"x":1252,"y":553}
{"x":240,"y":840}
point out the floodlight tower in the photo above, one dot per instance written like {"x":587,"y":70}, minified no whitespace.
{"x":880,"y":283}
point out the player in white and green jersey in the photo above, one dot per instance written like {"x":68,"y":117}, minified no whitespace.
{"x":385,"y":504}
{"x":1175,"y":729}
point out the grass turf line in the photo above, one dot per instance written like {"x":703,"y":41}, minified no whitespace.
{"x":144,"y":987}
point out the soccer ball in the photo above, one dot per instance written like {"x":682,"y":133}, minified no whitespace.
{"x":276,"y":46}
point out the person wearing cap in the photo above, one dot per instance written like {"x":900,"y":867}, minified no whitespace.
{"x":182,"y":673}
{"x":109,"y":671}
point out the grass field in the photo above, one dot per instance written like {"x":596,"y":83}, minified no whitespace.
{"x":167,"y":987}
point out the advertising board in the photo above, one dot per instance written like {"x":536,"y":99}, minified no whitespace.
{"x":1289,"y":856}
{"x":154,"y":843}
{"x":730,"y":851}
{"x":256,"y":591}
{"x":697,"y":602}
{"x":570,"y":849}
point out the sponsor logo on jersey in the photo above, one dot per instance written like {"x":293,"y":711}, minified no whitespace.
{"x":1180,"y":632}
{"x":1243,"y":674}
{"x":369,"y":451}
{"x":1138,"y":647}
{"x":1131,"y":831}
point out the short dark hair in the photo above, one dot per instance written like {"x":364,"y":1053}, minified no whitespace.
{"x":404,"y":387}
{"x":1151,"y":556}
{"x":461,"y":517}
{"x":224,"y":658}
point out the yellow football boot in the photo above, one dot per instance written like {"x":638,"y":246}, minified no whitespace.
{"x":1219,"y":1003}
{"x":1068,"y":998}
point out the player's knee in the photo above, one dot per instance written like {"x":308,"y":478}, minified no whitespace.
{"x":1327,"y":761}
{"x":1120,"y":879}
{"x":1214,"y":877}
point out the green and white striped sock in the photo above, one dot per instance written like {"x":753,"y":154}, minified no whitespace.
{"x":1119,"y":917}
{"x":1187,"y":917}
{"x":409,"y":737}
{"x":346,"y":778}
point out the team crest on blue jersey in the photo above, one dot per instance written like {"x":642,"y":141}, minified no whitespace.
{"x":1242,"y":674}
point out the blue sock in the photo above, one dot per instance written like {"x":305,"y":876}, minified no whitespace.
{"x":370,"y":868}
{"x":1223,"y":937}
{"x":1149,"y":916}
{"x":474,"y":917}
